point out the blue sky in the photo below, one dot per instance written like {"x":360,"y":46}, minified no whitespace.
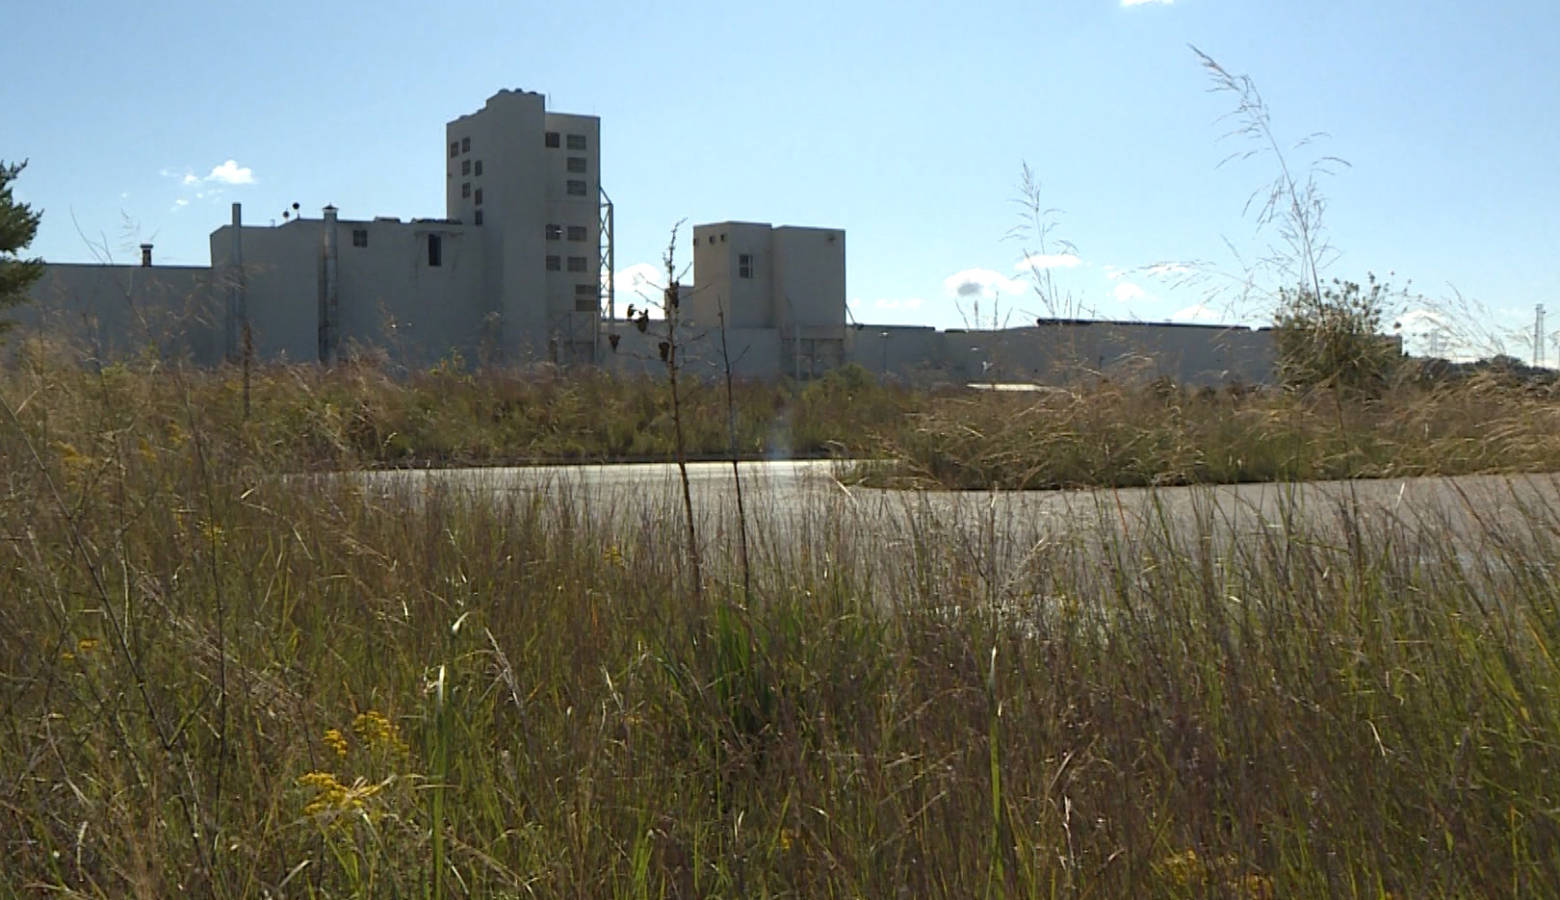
{"x":905,"y":124}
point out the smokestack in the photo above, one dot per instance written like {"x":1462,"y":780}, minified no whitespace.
{"x":329,"y":316}
{"x":146,"y":254}
{"x":237,"y":311}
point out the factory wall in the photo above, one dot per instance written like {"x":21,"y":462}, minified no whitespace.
{"x":110,"y":312}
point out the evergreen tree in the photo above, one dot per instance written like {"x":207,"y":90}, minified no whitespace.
{"x":18,"y":225}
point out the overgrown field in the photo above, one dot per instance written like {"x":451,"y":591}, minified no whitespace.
{"x":1094,"y":434}
{"x":220,"y":682}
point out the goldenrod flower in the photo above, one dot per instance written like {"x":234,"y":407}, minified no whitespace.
{"x":86,"y":645}
{"x":336,"y":741}
{"x":331,"y":796}
{"x":377,"y":731}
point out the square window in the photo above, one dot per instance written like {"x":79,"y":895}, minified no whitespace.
{"x":465,"y":167}
{"x":555,"y":232}
{"x":360,"y":237}
{"x":587,"y":297}
{"x":465,"y":145}
{"x":576,"y":142}
{"x":465,"y":189}
{"x":723,"y":239}
{"x":576,"y":264}
{"x":554,"y":263}
{"x":479,"y":196}
{"x":551,"y":139}
{"x":576,"y":188}
{"x":745,"y":265}
{"x":479,"y":167}
{"x":576,"y":232}
{"x":576,"y":164}
{"x":435,"y":250}
{"x":585,"y":304}
{"x":454,"y":148}
{"x":477,"y":219}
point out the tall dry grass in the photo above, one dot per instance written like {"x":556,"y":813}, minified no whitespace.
{"x":220,"y":681}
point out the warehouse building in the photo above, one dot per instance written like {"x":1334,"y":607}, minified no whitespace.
{"x":519,"y":272}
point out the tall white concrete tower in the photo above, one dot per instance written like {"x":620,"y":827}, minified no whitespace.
{"x":530,"y":180}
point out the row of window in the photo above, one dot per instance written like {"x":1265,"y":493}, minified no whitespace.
{"x":712,"y":240}
{"x":468,"y":168}
{"x":576,"y":264}
{"x":551,"y":139}
{"x":575,"y":232}
{"x":465,"y":191}
{"x":435,"y":243}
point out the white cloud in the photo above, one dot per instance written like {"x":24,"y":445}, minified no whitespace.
{"x":1036,"y":261}
{"x":189,"y":179}
{"x":974,"y":284}
{"x":1126,"y":290}
{"x":229,"y":172}
{"x":641,"y":285}
{"x":181,"y":202}
{"x":1197,"y":312}
{"x":1162,"y":269}
{"x":640,"y":278}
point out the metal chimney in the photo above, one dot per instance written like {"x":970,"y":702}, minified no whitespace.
{"x":146,"y":254}
{"x":330,"y":322}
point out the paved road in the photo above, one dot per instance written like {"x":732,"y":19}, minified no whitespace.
{"x":809,"y":505}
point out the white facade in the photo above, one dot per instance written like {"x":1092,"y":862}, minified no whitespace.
{"x":512,"y":276}
{"x":788,"y":280}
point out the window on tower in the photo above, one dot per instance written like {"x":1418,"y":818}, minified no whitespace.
{"x":745,"y":265}
{"x":576,"y":164}
{"x":576,"y":142}
{"x":577,"y":263}
{"x":577,"y":232}
{"x":576,"y":188}
{"x":551,"y":139}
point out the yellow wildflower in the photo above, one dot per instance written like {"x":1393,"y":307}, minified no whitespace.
{"x":331,"y":796}
{"x":336,"y":741}
{"x":1184,"y":868}
{"x":378,"y":731}
{"x":86,"y":645}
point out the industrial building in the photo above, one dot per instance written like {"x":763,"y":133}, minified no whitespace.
{"x":519,"y":272}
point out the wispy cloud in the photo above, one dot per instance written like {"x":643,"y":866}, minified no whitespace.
{"x":972,"y":284}
{"x":229,"y":172}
